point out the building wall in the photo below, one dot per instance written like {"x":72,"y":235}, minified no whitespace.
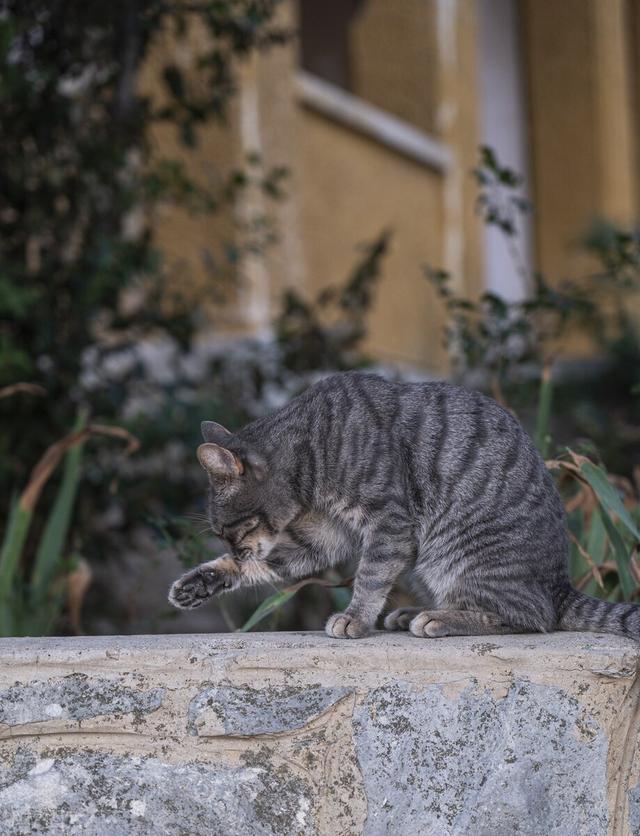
{"x":633,"y":11}
{"x":422,"y":66}
{"x":350,"y":186}
{"x":190,"y":242}
{"x":395,"y":61}
{"x":503,"y":127}
{"x":580,"y":120}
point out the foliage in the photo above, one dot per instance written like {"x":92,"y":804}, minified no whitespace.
{"x":81,"y":281}
{"x":32,"y":598}
{"x":327,"y":332}
{"x":78,"y":167}
{"x":279,"y":598}
{"x":603,"y":514}
{"x":504,"y":343}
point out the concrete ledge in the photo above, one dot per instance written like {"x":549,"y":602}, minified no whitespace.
{"x":286,"y":733}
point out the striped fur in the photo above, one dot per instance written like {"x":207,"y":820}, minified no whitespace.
{"x":424,"y":480}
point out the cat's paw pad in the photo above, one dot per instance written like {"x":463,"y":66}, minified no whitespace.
{"x":343,"y":626}
{"x":400,"y":619}
{"x":427,"y":625}
{"x":197,"y":586}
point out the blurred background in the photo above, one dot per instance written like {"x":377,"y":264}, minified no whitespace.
{"x":206,"y":204}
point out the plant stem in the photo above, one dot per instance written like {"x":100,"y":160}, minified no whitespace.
{"x":545,"y":396}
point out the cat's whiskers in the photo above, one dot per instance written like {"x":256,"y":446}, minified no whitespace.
{"x":198,"y":516}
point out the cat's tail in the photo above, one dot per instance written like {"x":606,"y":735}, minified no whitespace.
{"x":577,"y":611}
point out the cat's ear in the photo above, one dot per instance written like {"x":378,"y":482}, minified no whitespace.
{"x":213,"y":432}
{"x":219,"y":462}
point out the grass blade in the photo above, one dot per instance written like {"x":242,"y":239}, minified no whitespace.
{"x":268,"y":607}
{"x":622,"y":555}
{"x":597,"y":540}
{"x":15,"y":536}
{"x":280,"y":598}
{"x":608,"y":495}
{"x":53,"y":539}
{"x":542,"y":436}
{"x":21,"y":514}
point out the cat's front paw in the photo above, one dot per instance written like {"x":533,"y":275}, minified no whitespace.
{"x":200,"y":584}
{"x":343,"y":626}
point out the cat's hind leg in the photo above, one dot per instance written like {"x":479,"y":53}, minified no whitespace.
{"x":401,"y":618}
{"x":434,"y":624}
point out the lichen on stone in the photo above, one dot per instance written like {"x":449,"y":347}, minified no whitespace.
{"x":74,"y":697}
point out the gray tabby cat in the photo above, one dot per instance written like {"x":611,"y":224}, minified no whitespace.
{"x":427,"y":480}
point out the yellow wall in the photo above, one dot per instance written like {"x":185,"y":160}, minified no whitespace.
{"x":351,"y":188}
{"x":418,"y":61}
{"x":193,"y":244}
{"x":394,"y":59}
{"x":580,"y":124}
{"x":633,"y":10}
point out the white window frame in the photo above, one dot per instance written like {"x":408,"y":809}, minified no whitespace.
{"x":371,"y":121}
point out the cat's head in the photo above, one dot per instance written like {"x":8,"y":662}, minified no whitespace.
{"x":247,"y":506}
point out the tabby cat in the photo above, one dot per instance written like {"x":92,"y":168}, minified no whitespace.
{"x":426,"y":480}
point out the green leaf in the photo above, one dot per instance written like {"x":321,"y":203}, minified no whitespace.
{"x":608,"y":496}
{"x":276,"y":601}
{"x":15,"y":536}
{"x":614,"y":594}
{"x":53,"y":538}
{"x":267,"y":607}
{"x":545,"y":397}
{"x":596,"y":540}
{"x":622,"y":555}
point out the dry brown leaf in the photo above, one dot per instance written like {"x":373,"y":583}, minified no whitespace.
{"x":579,"y":459}
{"x":56,"y":451}
{"x":78,"y":582}
{"x":576,"y":501}
{"x":24,"y":388}
{"x":606,"y":568}
{"x":560,"y":464}
{"x":496,"y":392}
{"x":595,"y":570}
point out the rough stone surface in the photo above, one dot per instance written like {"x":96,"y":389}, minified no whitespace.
{"x":246,"y":710}
{"x":298,"y":734}
{"x":76,"y":698}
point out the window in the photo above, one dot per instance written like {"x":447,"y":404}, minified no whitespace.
{"x":324,"y":39}
{"x":384,"y":52}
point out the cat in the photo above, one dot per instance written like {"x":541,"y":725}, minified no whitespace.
{"x":425,"y":480}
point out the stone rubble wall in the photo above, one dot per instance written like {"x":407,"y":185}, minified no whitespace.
{"x":283,"y":733}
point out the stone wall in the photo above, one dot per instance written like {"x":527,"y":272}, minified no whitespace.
{"x":298,"y":734}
